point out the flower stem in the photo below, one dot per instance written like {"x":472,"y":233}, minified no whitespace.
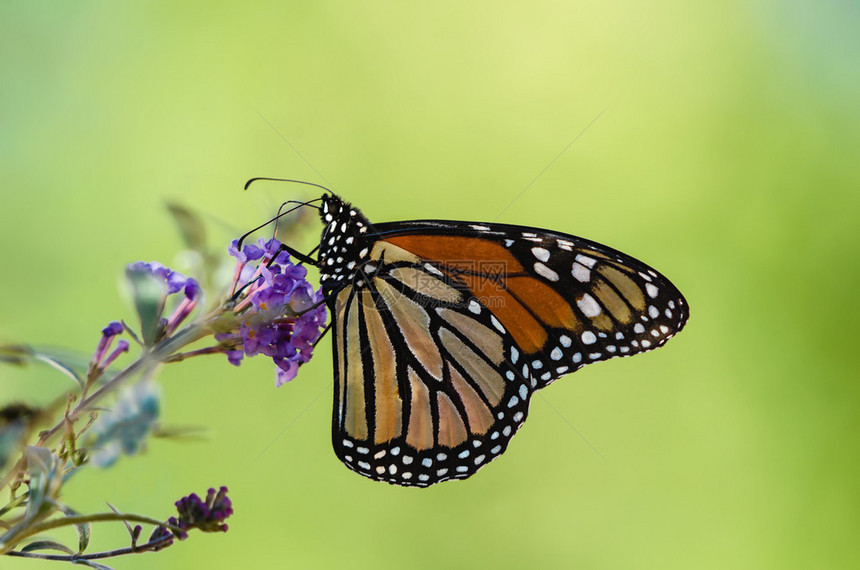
{"x":16,"y":535}
{"x":149,"y":546}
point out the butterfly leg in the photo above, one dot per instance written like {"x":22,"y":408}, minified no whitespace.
{"x":304,"y":258}
{"x":322,"y":334}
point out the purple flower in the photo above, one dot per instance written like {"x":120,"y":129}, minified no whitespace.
{"x":279,"y":313}
{"x":208,"y":515}
{"x":171,"y":282}
{"x":161,"y":533}
{"x":192,"y":289}
{"x":249,"y":252}
{"x":112,"y":330}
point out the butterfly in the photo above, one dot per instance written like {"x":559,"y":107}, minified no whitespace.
{"x":444,"y":330}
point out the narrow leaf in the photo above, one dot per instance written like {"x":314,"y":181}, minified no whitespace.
{"x":23,"y":354}
{"x":47,"y":545}
{"x":190,"y":226}
{"x":83,"y":530}
{"x":58,"y":365}
{"x":149,"y":298}
{"x":125,"y":522}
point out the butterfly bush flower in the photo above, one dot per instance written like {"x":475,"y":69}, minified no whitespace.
{"x":101,"y":359}
{"x":208,"y":515}
{"x":279,"y":314}
{"x":270,"y":308}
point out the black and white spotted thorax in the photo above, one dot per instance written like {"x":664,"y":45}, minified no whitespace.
{"x":344,"y":247}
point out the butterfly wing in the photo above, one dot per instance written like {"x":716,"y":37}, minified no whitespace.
{"x":424,"y":391}
{"x":567,"y":301}
{"x":453,"y":325}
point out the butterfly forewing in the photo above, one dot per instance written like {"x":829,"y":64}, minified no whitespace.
{"x":443,"y":330}
{"x":567,"y":301}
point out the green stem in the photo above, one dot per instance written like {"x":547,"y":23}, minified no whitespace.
{"x":17,"y":535}
{"x":150,"y":358}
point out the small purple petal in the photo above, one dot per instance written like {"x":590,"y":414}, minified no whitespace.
{"x":192,"y":289}
{"x":286,"y":371}
{"x":235,"y":357}
{"x":121,"y":347}
{"x":113,"y":328}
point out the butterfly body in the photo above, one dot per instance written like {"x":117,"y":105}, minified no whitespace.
{"x":443,"y":330}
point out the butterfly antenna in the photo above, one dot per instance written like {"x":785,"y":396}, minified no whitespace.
{"x":281,"y":214}
{"x":252,"y":180}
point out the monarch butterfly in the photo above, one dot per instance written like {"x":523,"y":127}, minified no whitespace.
{"x":443,"y":330}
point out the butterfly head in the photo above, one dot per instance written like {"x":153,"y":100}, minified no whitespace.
{"x":344,"y":243}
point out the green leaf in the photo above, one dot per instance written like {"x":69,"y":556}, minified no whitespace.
{"x":190,"y":226}
{"x":149,"y":298}
{"x":41,"y":464}
{"x":185,"y":433}
{"x":47,"y":545}
{"x":58,"y":365}
{"x":83,"y":530}
{"x":125,"y":522}
{"x":23,"y":354}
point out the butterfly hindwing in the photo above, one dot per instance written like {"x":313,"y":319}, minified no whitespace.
{"x":425,"y":390}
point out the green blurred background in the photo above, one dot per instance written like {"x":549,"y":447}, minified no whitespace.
{"x":725,"y":155}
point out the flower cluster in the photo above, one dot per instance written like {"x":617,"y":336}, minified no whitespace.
{"x":271,"y":309}
{"x":279,"y":313}
{"x":194,"y":512}
{"x":208,"y":515}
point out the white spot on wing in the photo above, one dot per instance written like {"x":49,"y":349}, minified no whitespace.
{"x":588,"y":306}
{"x":541,"y":253}
{"x":545,"y":271}
{"x":497,"y":324}
{"x":432,"y":269}
{"x":588,"y":337}
{"x":652,"y":290}
{"x":581,"y":273}
{"x":585,"y":260}
{"x":474,"y":306}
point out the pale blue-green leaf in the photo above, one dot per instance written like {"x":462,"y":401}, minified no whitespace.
{"x":149,"y":298}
